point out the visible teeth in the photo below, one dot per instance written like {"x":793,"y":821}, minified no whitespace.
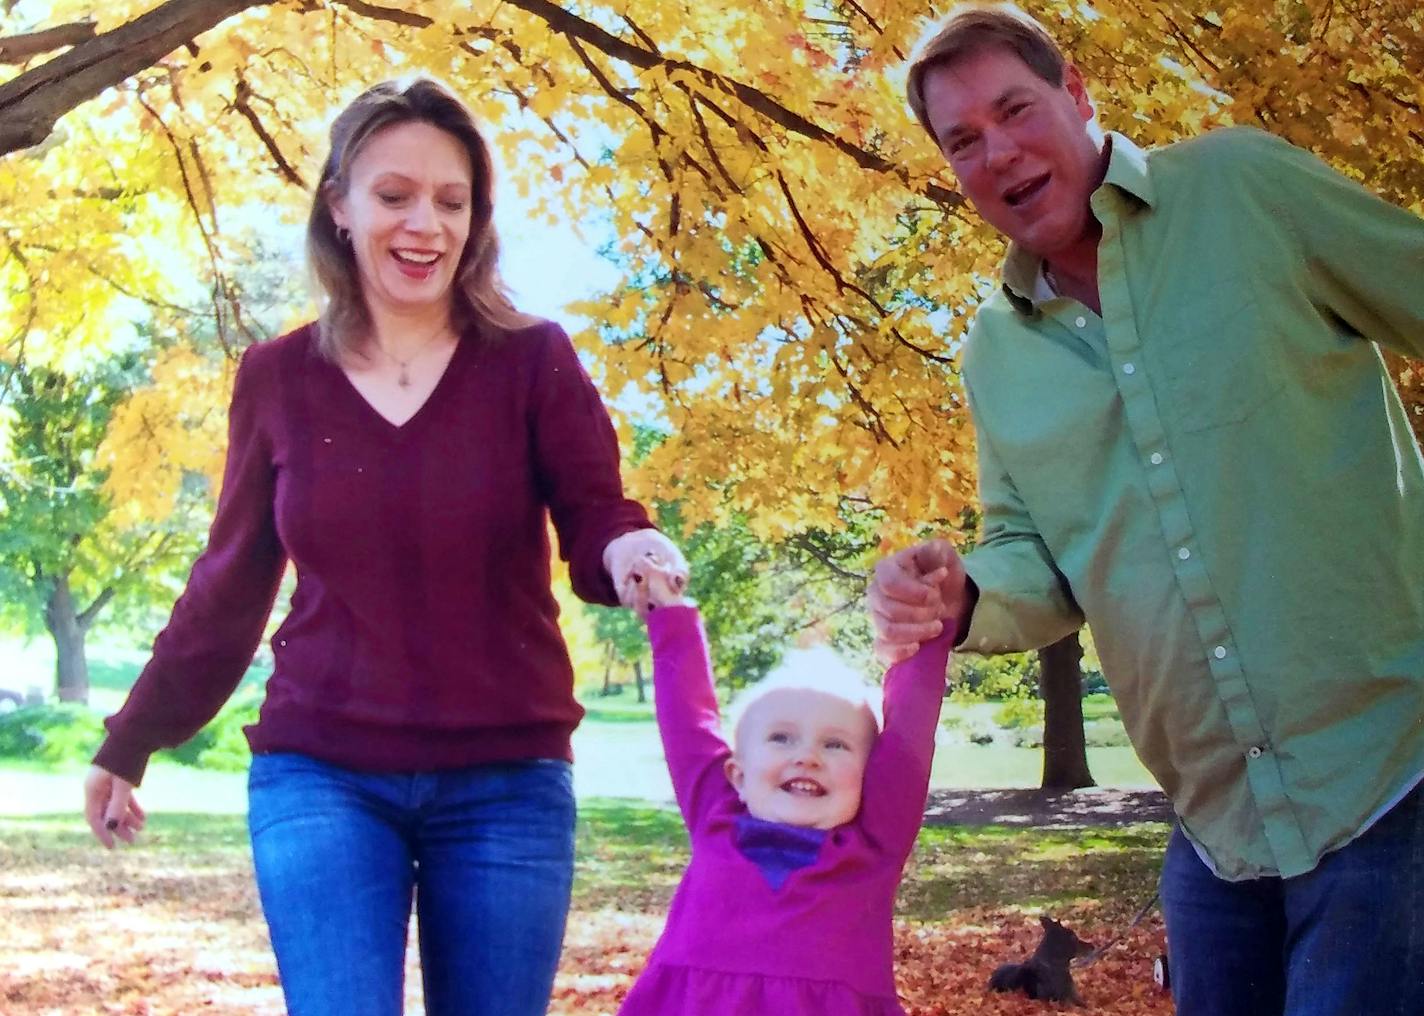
{"x":420,"y":259}
{"x":803,"y":787}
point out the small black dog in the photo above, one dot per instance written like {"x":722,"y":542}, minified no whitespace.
{"x":1045,"y":974}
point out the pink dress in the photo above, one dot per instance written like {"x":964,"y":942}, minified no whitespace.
{"x":772,"y":919}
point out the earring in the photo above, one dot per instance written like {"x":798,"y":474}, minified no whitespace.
{"x":343,"y":234}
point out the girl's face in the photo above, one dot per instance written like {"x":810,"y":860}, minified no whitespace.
{"x":800,"y":757}
{"x":407,"y":207}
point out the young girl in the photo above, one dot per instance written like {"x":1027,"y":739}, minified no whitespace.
{"x":799,"y":832}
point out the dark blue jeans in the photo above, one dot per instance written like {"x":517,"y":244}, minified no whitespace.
{"x":1346,"y":939}
{"x":485,"y":852}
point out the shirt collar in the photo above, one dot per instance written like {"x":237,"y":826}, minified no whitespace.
{"x":1024,"y":282}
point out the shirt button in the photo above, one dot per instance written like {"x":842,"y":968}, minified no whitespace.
{"x":1128,"y":368}
{"x":1156,"y":458}
{"x":1219,"y":652}
{"x":1254,"y":752}
{"x":1183,"y":553}
{"x":1081,"y":321}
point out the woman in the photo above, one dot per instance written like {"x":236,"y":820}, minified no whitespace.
{"x":402,"y":452}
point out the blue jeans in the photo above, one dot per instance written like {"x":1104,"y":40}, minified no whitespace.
{"x":486,"y":853}
{"x":1346,"y":939}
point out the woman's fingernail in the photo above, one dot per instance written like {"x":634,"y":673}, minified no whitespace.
{"x":111,"y":824}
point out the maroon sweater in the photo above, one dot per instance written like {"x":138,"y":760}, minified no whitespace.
{"x":422,"y":633}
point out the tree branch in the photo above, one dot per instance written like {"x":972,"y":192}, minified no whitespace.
{"x":873,"y":24}
{"x":16,"y":49}
{"x":572,"y":26}
{"x":85,"y":619}
{"x":376,"y":13}
{"x":804,"y":543}
{"x":241,"y":104}
{"x":33,"y":102}
{"x":222,"y":293}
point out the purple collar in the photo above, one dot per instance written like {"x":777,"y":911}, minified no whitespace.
{"x":775,"y":848}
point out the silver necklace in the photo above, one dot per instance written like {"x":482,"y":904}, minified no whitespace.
{"x":403,"y":379}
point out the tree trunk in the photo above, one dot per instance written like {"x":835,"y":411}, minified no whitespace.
{"x":638,"y":678}
{"x":71,"y":669}
{"x":607,"y":671}
{"x":1060,"y":681}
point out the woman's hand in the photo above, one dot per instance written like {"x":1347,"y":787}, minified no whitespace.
{"x":653,"y":586}
{"x":110,"y":807}
{"x":629,"y":558}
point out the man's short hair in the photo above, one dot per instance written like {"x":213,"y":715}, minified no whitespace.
{"x":972,"y":27}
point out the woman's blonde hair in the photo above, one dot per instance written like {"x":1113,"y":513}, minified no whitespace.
{"x":972,"y":27}
{"x":479,"y":294}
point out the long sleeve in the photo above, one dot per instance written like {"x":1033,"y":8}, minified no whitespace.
{"x":577,"y":461}
{"x":686,"y":705}
{"x":216,"y":624}
{"x":1365,"y":255}
{"x":1024,"y":601}
{"x":897,"y":775}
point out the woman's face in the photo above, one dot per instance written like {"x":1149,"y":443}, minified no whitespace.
{"x":407,"y":207}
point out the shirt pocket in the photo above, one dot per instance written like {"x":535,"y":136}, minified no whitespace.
{"x":1216,"y":364}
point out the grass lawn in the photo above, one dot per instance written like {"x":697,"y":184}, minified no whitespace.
{"x":173,"y":925}
{"x":617,"y":751}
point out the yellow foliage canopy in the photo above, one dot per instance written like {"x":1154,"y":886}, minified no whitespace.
{"x":799,"y":263}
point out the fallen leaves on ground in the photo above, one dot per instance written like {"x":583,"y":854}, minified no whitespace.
{"x":177,"y":929}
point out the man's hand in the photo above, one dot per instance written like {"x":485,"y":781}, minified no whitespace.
{"x":633,"y":554}
{"x":914,"y":594}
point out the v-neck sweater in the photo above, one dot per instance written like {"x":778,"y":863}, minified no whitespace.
{"x":422,"y":633}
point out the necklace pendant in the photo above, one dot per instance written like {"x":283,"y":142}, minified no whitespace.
{"x":404,"y":379}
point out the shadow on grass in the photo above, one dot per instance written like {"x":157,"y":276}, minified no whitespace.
{"x":62,"y":839}
{"x":630,"y":857}
{"x":958,"y":868}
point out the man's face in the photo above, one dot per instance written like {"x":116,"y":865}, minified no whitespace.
{"x":1020,"y":147}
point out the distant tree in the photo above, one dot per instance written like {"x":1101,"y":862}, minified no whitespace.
{"x":756,"y":596}
{"x":742,"y":605}
{"x":1065,"y":747}
{"x":66,"y":553}
{"x":109,"y":470}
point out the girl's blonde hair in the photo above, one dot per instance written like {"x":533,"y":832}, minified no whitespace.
{"x":480,"y":298}
{"x":819,"y":669}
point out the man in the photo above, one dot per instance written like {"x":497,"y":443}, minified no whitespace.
{"x":1187,"y":439}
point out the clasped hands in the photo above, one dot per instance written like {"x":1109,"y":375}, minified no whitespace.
{"x":635,"y":559}
{"x":913,"y":594}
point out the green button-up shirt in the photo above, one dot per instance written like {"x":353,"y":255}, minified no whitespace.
{"x":1218,"y":476}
